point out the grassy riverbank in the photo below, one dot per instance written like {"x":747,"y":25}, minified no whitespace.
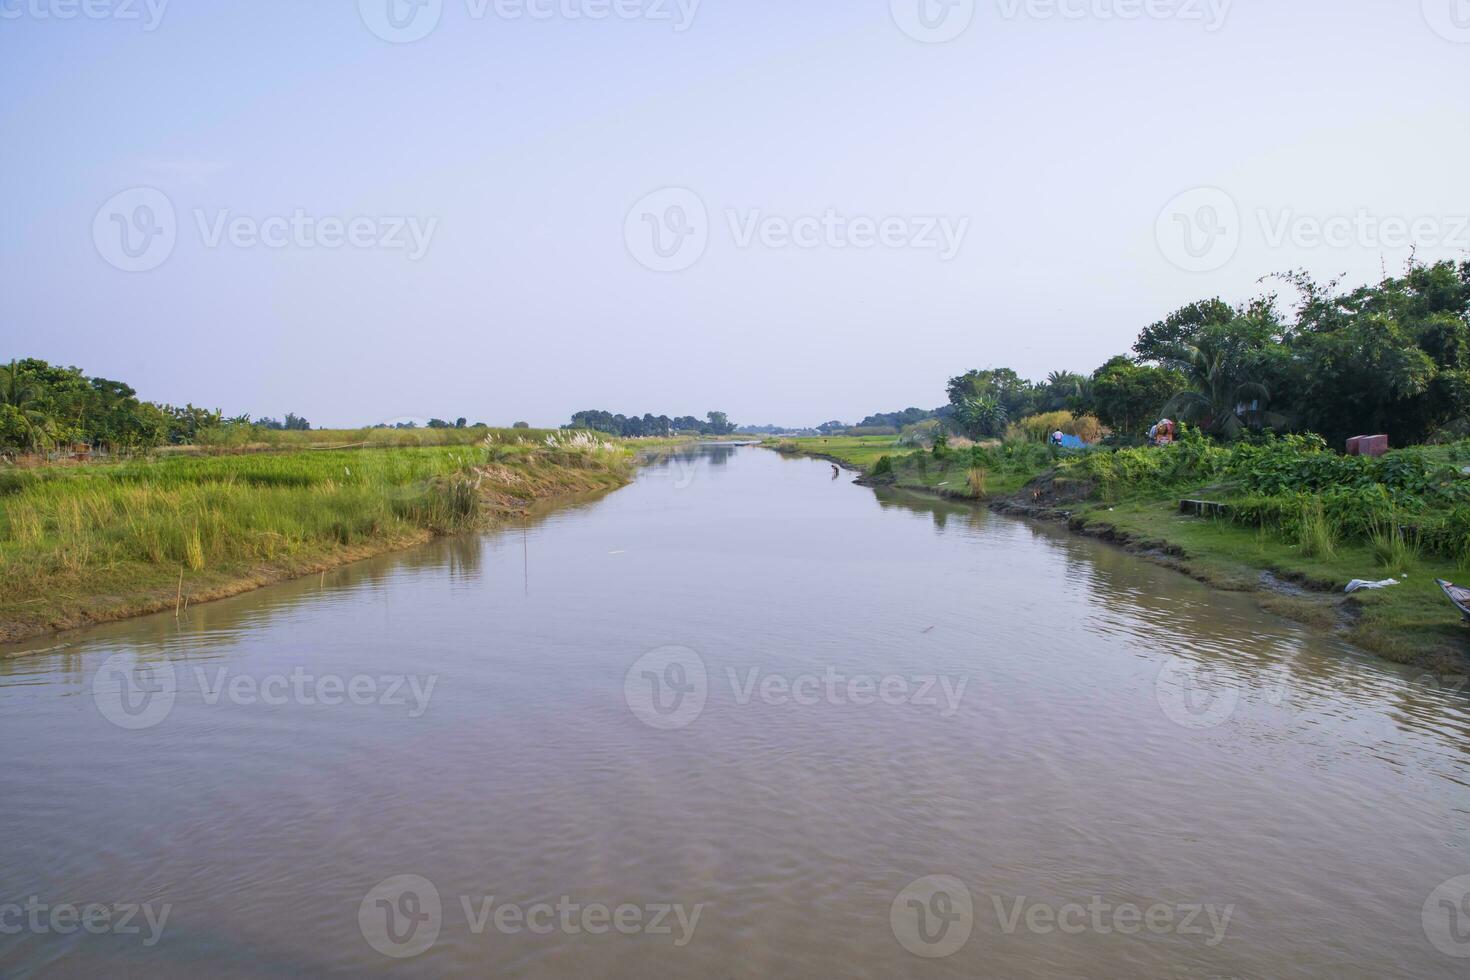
{"x":1297,"y":522}
{"x":84,"y":544}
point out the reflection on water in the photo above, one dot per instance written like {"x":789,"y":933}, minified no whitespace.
{"x":778,"y":706}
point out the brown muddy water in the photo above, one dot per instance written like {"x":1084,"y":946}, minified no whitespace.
{"x":738,"y":719}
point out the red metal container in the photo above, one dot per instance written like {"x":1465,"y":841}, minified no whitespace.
{"x":1367,"y":445}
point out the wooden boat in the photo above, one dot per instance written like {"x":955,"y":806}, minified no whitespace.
{"x":1458,"y":594}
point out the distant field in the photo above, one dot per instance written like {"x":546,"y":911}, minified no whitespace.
{"x":861,"y":451}
{"x":257,"y":438}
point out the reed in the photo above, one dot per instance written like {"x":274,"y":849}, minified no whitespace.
{"x":977,"y":478}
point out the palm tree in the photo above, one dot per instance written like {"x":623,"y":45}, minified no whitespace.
{"x":1066,"y":389}
{"x":24,"y":399}
{"x":1216,"y":395}
{"x":981,"y":416}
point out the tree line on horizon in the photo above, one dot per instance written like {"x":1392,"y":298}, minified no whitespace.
{"x":44,"y":406}
{"x":635,"y":426}
{"x":1390,"y":358}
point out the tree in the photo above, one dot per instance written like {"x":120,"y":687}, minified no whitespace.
{"x":1391,"y":358}
{"x":24,"y":422}
{"x":982,"y":416}
{"x":1128,"y":397}
{"x":897,"y":420}
{"x":1014,"y":393}
{"x":461,"y":422}
{"x":1161,"y":341}
{"x":294,"y":421}
{"x":518,"y":425}
{"x":1059,"y":391}
{"x":1217,"y":396}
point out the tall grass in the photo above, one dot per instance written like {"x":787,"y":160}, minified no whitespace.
{"x":1393,"y":547}
{"x":63,"y":528}
{"x":250,"y":436}
{"x":1316,"y":535}
{"x":977,"y":478}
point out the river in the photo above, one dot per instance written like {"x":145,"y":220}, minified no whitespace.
{"x":737,"y":719}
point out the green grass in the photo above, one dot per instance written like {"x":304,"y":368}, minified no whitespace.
{"x":1410,"y":623}
{"x":859,"y":451}
{"x":950,"y":474}
{"x":245,"y":438}
{"x":1134,"y":496}
{"x":83,"y":543}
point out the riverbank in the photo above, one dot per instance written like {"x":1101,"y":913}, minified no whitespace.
{"x":87,"y":544}
{"x":1238,"y":551}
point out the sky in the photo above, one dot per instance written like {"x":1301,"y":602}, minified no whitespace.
{"x":372,"y":210}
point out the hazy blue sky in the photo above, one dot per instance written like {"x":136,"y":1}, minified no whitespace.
{"x":1053,"y":139}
